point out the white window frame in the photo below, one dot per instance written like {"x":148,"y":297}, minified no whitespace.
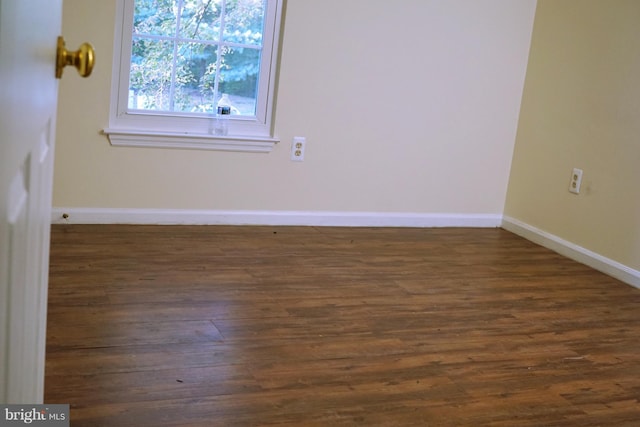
{"x":165,"y":130}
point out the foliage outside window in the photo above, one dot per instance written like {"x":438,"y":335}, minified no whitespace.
{"x":186,"y":53}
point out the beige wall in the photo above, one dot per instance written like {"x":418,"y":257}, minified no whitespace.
{"x":408,"y":106}
{"x":581,"y":108}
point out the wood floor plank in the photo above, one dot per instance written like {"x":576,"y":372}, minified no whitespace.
{"x":307,"y":326}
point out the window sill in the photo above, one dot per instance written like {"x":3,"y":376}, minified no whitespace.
{"x":154,"y":139}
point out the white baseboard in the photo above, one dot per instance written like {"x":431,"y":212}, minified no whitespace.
{"x":275,"y":218}
{"x":573,"y":251}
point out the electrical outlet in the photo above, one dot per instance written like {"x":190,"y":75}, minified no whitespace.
{"x":576,"y":180}
{"x":297,"y":148}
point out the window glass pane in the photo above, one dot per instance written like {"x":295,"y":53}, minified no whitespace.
{"x":155,"y":17}
{"x":200,"y":20}
{"x":244,"y":21}
{"x":195,"y":78}
{"x":239,"y":78}
{"x":150,"y":77}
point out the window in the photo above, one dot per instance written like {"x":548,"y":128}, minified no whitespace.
{"x":176,"y":60}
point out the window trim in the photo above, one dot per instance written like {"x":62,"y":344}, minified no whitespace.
{"x":165,"y":130}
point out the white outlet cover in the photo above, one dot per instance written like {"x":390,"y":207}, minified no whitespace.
{"x":298,"y":146}
{"x":576,"y":181}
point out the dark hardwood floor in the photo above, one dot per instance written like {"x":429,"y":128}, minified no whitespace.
{"x":293,"y":326}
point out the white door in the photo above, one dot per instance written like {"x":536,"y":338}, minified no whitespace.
{"x":28,"y":99}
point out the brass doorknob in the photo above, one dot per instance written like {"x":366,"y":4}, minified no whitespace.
{"x":83,"y":58}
